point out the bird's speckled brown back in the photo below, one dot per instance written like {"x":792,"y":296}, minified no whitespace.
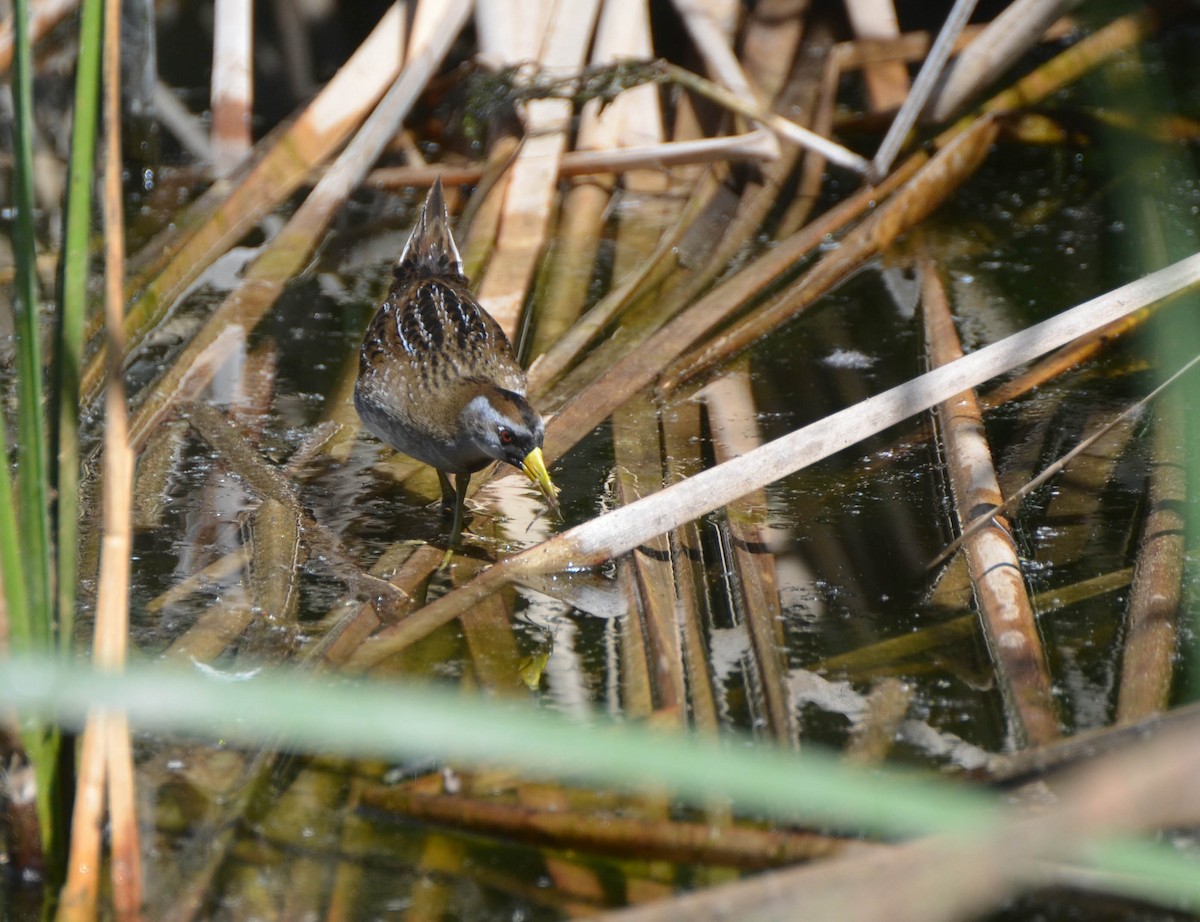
{"x":430,"y":349}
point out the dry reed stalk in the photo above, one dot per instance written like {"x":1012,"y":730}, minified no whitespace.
{"x":232,"y":95}
{"x":1151,"y":626}
{"x":908,"y":47}
{"x":627,"y":837}
{"x":1068,"y":532}
{"x":153,"y":474}
{"x":638,"y":367}
{"x":549,"y":367}
{"x":1013,"y":32}
{"x":623,"y":31}
{"x":176,"y":258}
{"x":483,"y":212}
{"x":107,"y":742}
{"x":1000,"y":593}
{"x":782,"y":128}
{"x":755,"y":146}
{"x":564,"y":36}
{"x":1066,"y":359}
{"x":276,"y":560}
{"x":1069,"y":65}
{"x":216,"y":572}
{"x":681,"y":441}
{"x":43,"y":16}
{"x":570,"y":874}
{"x":278,"y":261}
{"x":211,"y":633}
{"x":770,"y":39}
{"x":1027,"y":764}
{"x":812,"y":173}
{"x":652,"y":604}
{"x":733,"y":422}
{"x":866,"y":660}
{"x":637,"y":685}
{"x":918,"y":198}
{"x":79,"y":895}
{"x":954,"y":876}
{"x":914,"y":101}
{"x":887,"y":81}
{"x":624,"y":528}
{"x":353,"y":627}
{"x":776,"y":59}
{"x":734,"y":91}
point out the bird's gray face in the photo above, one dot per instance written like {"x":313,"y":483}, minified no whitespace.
{"x":502,"y":425}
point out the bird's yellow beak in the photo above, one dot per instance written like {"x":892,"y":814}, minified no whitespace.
{"x":534,"y":467}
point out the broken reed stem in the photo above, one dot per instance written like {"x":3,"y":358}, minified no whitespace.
{"x":783,"y":128}
{"x":886,"y":83}
{"x":627,"y":837}
{"x":232,"y":84}
{"x":753,"y":145}
{"x":923,"y":86}
{"x":996,"y":575}
{"x":622,"y":529}
{"x":1152,"y":620}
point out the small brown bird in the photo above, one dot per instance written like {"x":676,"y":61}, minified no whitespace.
{"x":437,"y":378}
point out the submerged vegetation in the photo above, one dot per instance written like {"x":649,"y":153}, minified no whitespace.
{"x":801,"y":301}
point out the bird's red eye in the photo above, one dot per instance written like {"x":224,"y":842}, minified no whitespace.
{"x":506,"y":437}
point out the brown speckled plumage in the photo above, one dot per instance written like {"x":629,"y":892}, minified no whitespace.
{"x":437,"y":377}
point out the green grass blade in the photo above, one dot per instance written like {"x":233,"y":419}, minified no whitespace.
{"x":388,"y":720}
{"x":32,"y":470}
{"x":72,"y":309}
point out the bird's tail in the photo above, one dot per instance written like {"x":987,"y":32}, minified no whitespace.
{"x":430,"y":249}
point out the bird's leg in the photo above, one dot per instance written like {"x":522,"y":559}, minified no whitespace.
{"x":447,"y":490}
{"x":461,"y":482}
